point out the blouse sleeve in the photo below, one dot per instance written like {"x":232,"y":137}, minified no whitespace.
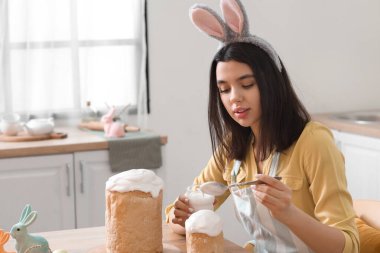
{"x":325,"y":171}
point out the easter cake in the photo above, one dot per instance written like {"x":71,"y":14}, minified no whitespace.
{"x":204,"y":232}
{"x":134,"y":212}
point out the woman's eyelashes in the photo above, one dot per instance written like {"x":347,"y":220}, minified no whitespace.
{"x":247,"y":86}
{"x":223,"y":90}
{"x":227,"y":89}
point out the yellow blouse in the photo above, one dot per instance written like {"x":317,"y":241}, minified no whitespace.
{"x":313,"y":168}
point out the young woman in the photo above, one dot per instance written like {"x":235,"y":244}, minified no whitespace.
{"x":259,"y":129}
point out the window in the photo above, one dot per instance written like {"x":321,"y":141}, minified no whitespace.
{"x":58,"y":54}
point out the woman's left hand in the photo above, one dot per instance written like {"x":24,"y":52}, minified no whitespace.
{"x":275,"y":195}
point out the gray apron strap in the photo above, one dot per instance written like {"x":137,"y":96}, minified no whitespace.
{"x":235,"y":170}
{"x":274,"y":164}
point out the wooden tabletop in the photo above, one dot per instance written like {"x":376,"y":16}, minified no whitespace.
{"x":92,"y":240}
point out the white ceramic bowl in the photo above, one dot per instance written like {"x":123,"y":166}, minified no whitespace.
{"x":10,"y":124}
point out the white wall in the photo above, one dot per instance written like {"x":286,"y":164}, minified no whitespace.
{"x":331,"y":50}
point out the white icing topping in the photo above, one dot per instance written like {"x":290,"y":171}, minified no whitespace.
{"x":204,"y":221}
{"x":136,"y":180}
{"x":199,"y":200}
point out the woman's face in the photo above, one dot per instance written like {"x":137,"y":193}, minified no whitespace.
{"x":239,"y":93}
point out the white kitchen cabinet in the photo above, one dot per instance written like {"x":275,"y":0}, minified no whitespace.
{"x":92,"y":170}
{"x":362,"y":160}
{"x":45,"y":182}
{"x":67,"y":190}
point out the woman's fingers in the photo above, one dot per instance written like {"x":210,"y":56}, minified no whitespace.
{"x":271,"y":181}
{"x":268,"y":190}
{"x":265,"y":198}
{"x":273,"y":194}
{"x":268,"y":195}
{"x":179,"y":221}
{"x":271,"y":187}
{"x":182,"y":203}
{"x":280,"y":207}
{"x":182,"y":210}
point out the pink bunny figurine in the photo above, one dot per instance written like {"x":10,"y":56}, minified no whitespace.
{"x":111,"y":128}
{"x":4,"y":237}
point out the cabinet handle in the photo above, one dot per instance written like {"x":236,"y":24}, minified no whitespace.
{"x":81,"y":168}
{"x":68,"y":193}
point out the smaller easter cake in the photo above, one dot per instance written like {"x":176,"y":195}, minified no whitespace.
{"x":204,"y":232}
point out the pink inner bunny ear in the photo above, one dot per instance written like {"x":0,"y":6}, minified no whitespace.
{"x":233,"y":15}
{"x":207,"y":22}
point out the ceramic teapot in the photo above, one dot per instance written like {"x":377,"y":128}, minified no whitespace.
{"x":10,"y":124}
{"x":39,"y":126}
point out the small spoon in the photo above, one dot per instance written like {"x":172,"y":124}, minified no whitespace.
{"x":217,"y":189}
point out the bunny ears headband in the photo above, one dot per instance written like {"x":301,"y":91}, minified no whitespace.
{"x":235,"y":28}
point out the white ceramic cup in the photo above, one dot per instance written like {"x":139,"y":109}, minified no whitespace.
{"x":199,"y":200}
{"x":10,"y":124}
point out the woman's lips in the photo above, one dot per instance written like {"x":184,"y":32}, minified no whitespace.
{"x":241,"y":113}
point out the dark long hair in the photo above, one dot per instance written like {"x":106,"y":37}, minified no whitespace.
{"x":283,"y":117}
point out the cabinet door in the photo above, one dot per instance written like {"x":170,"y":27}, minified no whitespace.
{"x":45,"y":182}
{"x":362,"y":160}
{"x":92,"y":170}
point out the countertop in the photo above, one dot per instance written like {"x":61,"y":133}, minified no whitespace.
{"x":92,"y":240}
{"x":370,"y":129}
{"x":81,"y":140}
{"x":77,"y":140}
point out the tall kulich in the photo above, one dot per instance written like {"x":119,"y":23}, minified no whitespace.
{"x":134,"y":212}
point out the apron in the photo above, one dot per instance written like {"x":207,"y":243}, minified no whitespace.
{"x":269,"y":235}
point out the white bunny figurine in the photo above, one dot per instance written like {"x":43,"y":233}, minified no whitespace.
{"x":26,"y":243}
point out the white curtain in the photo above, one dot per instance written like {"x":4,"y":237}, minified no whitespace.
{"x":3,"y":55}
{"x":58,"y":54}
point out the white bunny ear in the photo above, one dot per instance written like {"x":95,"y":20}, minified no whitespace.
{"x":25,"y":212}
{"x":30,"y":218}
{"x":208,"y":21}
{"x":234,"y":15}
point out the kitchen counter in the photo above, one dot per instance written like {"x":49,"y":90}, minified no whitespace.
{"x":370,"y":129}
{"x":92,"y":240}
{"x":77,"y":140}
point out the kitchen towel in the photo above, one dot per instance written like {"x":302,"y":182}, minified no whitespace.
{"x":137,"y":150}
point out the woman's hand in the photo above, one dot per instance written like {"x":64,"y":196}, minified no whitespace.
{"x":182,"y":211}
{"x":275,"y":195}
